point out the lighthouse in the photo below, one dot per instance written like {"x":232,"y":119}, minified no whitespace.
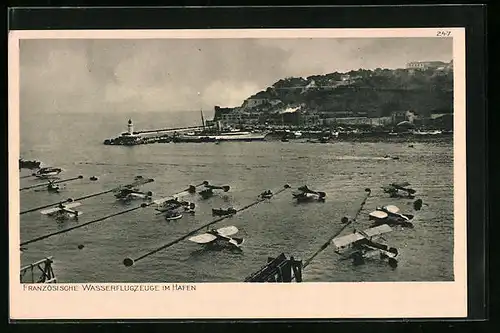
{"x":130,"y":127}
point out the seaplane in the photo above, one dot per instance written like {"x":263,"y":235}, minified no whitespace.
{"x":127,"y":194}
{"x":362,"y":245}
{"x":391,"y":215}
{"x":224,"y":212}
{"x":208,"y":192}
{"x":173,"y":204}
{"x":63,"y":211}
{"x":219,"y":237}
{"x":47,"y":172}
{"x":131,"y":192}
{"x":399,"y":190}
{"x":304,"y":194}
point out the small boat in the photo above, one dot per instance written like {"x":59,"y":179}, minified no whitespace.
{"x":304,"y":194}
{"x":173,"y":215}
{"x":47,"y":172}
{"x":224,"y":212}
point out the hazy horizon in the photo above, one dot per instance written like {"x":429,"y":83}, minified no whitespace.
{"x":86,"y":76}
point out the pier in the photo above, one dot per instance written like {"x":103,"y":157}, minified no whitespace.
{"x":45,"y":268}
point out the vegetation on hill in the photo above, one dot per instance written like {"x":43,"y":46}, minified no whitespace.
{"x":374,"y":93}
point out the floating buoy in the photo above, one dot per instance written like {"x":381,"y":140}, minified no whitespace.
{"x":344,"y":220}
{"x":128,"y":262}
{"x":81,"y":246}
{"x":93,"y":178}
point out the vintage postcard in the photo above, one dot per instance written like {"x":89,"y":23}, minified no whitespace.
{"x":196,"y":174}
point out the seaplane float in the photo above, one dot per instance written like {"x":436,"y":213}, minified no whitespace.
{"x":172,"y":206}
{"x":208,"y":191}
{"x":63,"y":211}
{"x":130,"y":192}
{"x":304,"y":194}
{"x":219,"y":238}
{"x":399,"y":190}
{"x":224,"y":212}
{"x":47,"y":172}
{"x":390,"y":215}
{"x":362,"y":245}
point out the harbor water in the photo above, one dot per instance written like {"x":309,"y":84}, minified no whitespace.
{"x":342,"y":169}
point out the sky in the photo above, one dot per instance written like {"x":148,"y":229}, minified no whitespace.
{"x":64,"y":75}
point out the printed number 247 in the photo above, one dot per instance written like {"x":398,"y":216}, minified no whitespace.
{"x":442,"y":33}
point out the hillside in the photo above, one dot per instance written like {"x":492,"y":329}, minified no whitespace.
{"x":371,"y":93}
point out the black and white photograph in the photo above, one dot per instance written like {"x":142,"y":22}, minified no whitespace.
{"x":237,"y":159}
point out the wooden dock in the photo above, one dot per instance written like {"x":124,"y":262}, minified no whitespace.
{"x":279,"y":269}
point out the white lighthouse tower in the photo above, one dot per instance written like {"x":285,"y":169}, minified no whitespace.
{"x":130,"y":127}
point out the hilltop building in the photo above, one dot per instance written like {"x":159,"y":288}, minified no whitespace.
{"x":424,"y":65}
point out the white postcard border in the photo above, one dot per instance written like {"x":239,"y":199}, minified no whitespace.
{"x":246,"y":300}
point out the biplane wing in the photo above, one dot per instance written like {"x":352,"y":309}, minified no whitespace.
{"x":375,"y":231}
{"x":346,"y":240}
{"x":203,"y":238}
{"x":391,"y":209}
{"x":343,"y":241}
{"x":378,"y":214}
{"x":227,"y":231}
{"x":56,"y":209}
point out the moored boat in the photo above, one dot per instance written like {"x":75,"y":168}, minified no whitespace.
{"x":224,"y":212}
{"x":47,"y":172}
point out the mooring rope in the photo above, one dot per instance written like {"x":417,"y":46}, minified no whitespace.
{"x":46,"y":184}
{"x":129,"y":261}
{"x":143,"y":205}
